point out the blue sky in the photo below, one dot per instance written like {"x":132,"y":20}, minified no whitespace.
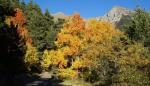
{"x":88,"y":8}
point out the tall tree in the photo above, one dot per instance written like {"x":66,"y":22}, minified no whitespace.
{"x":137,"y":28}
{"x":36,"y":26}
{"x":41,"y":27}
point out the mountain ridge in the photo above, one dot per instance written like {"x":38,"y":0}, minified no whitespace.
{"x":114,"y":15}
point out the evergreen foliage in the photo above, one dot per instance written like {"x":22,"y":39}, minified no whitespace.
{"x":138,"y":27}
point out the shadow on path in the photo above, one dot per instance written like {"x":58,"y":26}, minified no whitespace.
{"x":28,"y":80}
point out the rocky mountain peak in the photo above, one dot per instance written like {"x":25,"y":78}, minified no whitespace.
{"x":115,"y":14}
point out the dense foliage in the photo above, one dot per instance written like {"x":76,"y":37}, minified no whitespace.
{"x":41,"y":27}
{"x":138,"y":27}
{"x":73,"y":48}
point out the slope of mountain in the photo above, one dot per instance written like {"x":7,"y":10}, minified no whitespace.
{"x":115,"y":14}
{"x":59,"y":15}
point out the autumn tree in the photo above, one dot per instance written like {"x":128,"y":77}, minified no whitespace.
{"x":97,"y":35}
{"x":75,"y":37}
{"x":118,"y":62}
{"x":68,"y":44}
{"x":31,"y":57}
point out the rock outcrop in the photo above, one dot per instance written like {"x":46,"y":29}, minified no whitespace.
{"x":116,"y":14}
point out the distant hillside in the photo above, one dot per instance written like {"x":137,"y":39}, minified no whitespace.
{"x":59,"y":15}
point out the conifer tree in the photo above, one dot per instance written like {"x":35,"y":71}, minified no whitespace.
{"x":137,"y":28}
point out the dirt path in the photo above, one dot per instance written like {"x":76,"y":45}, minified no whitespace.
{"x":44,"y":79}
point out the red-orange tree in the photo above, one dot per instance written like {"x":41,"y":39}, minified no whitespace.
{"x":19,"y":20}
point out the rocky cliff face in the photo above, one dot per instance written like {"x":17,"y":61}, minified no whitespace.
{"x":115,"y":14}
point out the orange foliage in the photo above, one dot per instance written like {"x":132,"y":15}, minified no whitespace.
{"x":23,"y":32}
{"x":70,"y":36}
{"x":19,"y":18}
{"x":75,"y":24}
{"x":29,"y":40}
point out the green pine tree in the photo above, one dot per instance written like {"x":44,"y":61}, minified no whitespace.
{"x":138,"y":27}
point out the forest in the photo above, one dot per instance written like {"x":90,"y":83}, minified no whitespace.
{"x":83,"y":52}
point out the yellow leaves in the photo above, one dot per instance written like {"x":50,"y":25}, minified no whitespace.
{"x":8,"y":20}
{"x":68,"y":73}
{"x":46,"y":59}
{"x":53,"y":58}
{"x":70,"y":50}
{"x":67,"y":39}
{"x":63,"y":39}
{"x":60,"y":59}
{"x":81,"y":63}
{"x":31,"y":57}
{"x":134,"y":56}
{"x":98,"y":31}
{"x":77,"y":64}
{"x":75,"y":41}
